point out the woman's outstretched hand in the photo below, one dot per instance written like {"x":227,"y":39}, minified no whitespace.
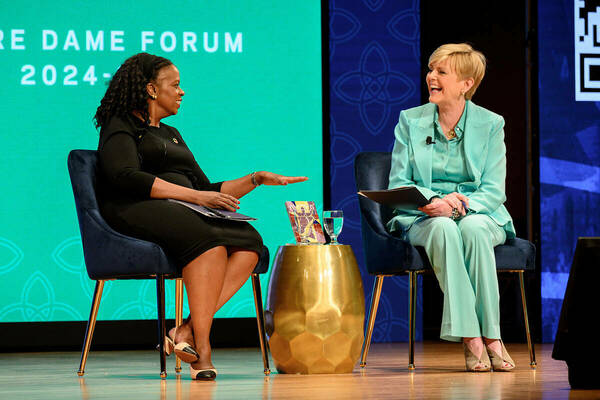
{"x":216,"y":200}
{"x":269,"y":178}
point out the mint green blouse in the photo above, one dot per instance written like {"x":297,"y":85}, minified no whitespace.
{"x":448,"y":168}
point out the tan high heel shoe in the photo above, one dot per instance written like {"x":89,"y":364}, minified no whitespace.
{"x":169,"y":346}
{"x":471,"y":361}
{"x":208,"y":374}
{"x":498,"y":360}
{"x":183,"y":350}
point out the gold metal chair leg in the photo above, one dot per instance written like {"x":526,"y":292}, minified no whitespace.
{"x":178,"y":315}
{"x":260,"y":321}
{"x":371,"y":322}
{"x":160,"y":305}
{"x":89,"y":333}
{"x":532,"y":361}
{"x":412,"y":311}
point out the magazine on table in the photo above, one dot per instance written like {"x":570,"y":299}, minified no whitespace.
{"x":305,"y":221}
{"x":214,"y":213}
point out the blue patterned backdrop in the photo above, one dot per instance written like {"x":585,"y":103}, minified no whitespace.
{"x":569,"y":148}
{"x":374,"y":55}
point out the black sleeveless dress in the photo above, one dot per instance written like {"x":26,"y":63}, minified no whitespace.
{"x":131,"y":155}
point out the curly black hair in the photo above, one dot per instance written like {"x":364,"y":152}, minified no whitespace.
{"x":127,"y":89}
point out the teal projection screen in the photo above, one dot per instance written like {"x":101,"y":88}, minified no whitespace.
{"x":251,"y":71}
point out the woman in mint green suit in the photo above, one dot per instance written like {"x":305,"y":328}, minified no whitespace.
{"x":453,"y":151}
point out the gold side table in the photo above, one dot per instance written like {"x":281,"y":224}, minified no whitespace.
{"x":315,"y":309}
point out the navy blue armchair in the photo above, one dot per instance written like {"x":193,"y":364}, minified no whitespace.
{"x":388,"y":255}
{"x":110,"y":255}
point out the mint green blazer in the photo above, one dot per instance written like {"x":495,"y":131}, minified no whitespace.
{"x":485,"y":154}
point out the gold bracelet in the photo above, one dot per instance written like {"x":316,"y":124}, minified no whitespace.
{"x":455,"y":214}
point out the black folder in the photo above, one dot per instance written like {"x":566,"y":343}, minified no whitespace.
{"x":407,"y":197}
{"x":214,"y":213}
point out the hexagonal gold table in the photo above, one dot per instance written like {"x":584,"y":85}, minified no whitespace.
{"x":315,"y":309}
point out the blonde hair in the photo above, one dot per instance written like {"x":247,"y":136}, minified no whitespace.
{"x":463,"y":60}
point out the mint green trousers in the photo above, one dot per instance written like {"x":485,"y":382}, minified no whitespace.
{"x":462,"y":255}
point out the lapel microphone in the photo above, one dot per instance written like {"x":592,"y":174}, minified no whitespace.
{"x":429,"y":140}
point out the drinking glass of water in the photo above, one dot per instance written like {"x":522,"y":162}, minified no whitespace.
{"x":333,"y":221}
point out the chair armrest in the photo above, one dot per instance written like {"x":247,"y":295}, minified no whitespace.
{"x":262,"y":265}
{"x":109,"y":254}
{"x":95,"y":215}
{"x":387,"y":254}
{"x":369,"y":211}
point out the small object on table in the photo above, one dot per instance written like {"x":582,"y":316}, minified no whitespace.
{"x":305,"y":222}
{"x":333,"y":221}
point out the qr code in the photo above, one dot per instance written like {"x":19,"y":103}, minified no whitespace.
{"x":587,"y":50}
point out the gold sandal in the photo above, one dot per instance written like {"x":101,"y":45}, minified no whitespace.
{"x":498,"y":360}
{"x":169,"y":346}
{"x":471,"y":361}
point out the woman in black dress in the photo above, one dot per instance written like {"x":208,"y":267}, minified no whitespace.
{"x":143,"y":162}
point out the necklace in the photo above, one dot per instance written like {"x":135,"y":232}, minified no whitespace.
{"x":451,"y":134}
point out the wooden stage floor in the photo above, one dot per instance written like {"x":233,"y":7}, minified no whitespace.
{"x":134,"y":375}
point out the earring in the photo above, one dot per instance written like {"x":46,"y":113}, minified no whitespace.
{"x":153,"y":97}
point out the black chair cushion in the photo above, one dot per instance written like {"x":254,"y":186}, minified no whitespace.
{"x":515,"y":254}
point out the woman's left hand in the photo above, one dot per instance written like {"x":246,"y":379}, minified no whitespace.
{"x":269,"y":178}
{"x":458,"y":201}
